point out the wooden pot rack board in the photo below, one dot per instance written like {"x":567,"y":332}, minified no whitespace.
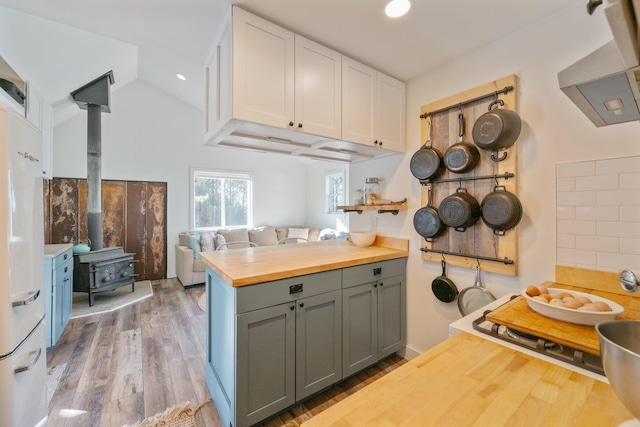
{"x":477,"y":240}
{"x":517,"y":314}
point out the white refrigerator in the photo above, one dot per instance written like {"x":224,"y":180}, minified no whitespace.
{"x":23,"y":384}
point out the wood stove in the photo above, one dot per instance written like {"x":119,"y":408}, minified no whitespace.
{"x":103,"y":270}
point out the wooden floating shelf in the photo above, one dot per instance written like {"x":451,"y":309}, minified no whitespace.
{"x":393,"y":209}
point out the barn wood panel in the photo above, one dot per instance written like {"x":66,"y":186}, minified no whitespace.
{"x":133,"y":215}
{"x":479,"y":238}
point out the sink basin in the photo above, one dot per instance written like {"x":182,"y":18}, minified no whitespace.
{"x":620,"y":351}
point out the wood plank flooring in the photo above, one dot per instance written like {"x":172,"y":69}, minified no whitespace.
{"x":130,"y":364}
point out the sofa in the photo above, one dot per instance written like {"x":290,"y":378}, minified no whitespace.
{"x":191,"y":270}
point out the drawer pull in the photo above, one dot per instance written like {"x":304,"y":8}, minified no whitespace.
{"x":295,"y":289}
{"x":293,"y":307}
{"x":35,"y":356}
{"x":65,"y":257}
{"x":66,"y":269}
{"x":31,"y":298}
{"x":301,"y":304}
{"x":377,"y":271}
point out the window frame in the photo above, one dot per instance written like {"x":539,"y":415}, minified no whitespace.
{"x":327,"y":191}
{"x":196,"y":172}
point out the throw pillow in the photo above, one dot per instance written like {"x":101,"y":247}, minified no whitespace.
{"x":235,"y":235}
{"x":264,"y":236}
{"x":220,"y":240}
{"x":194,"y":244}
{"x":206,"y":241}
{"x":298,"y":232}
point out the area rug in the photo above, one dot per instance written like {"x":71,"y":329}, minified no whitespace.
{"x":110,"y":300}
{"x":202,"y":302}
{"x":177,"y":416}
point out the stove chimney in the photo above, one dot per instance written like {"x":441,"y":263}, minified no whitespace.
{"x":95,"y":97}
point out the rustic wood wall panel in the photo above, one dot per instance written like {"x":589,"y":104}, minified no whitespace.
{"x":478,"y":239}
{"x":134,"y":216}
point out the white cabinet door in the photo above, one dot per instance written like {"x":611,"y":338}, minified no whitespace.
{"x":263,"y":71}
{"x":218,"y":100}
{"x":390,"y":113}
{"x":34,"y":106}
{"x":47,"y":140}
{"x":358,"y":99}
{"x":318,"y":87}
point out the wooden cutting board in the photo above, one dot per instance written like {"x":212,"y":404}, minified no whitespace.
{"x":517,"y":314}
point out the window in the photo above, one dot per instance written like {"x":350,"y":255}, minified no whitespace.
{"x":335,"y":191}
{"x":220,"y":199}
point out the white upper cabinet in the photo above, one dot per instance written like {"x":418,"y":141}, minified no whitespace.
{"x":40,"y":114}
{"x":373,"y":107}
{"x":269,"y":89}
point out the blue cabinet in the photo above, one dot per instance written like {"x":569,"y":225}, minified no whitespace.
{"x":58,"y":277}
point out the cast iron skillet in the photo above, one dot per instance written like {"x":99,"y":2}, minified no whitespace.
{"x":462,"y":156}
{"x":474,"y":297}
{"x":496,"y":130}
{"x":443,"y":288}
{"x":501,"y":210}
{"x":426,"y":220}
{"x":426,"y":163}
{"x":459,"y":210}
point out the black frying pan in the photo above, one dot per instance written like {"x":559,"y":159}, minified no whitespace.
{"x":426,"y":163}
{"x":426,"y":220}
{"x":443,"y":288}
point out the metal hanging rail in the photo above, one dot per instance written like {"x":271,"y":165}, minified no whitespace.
{"x":505,"y":175}
{"x":504,"y":260}
{"x":505,"y":90}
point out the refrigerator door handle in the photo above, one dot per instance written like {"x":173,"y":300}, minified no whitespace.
{"x":35,"y":355}
{"x":31,"y":298}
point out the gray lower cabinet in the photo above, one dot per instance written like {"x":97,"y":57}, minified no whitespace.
{"x":374,"y":307}
{"x":58,"y":277}
{"x":273,"y":344}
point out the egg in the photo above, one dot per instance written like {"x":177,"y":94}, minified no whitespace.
{"x":583,"y":300}
{"x":572,"y":303}
{"x":540,"y":298}
{"x":590,"y":307}
{"x":546,"y":296}
{"x":555,"y":294}
{"x":557,"y":302}
{"x":603,"y":305}
{"x":566,"y":295}
{"x":532,"y":291}
{"x":543,"y":289}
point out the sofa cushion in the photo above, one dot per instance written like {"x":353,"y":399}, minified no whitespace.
{"x":235,"y":235}
{"x":298,"y":232}
{"x":207,"y":239}
{"x":183,"y":238}
{"x":198,"y":266}
{"x":194,"y":244}
{"x":220,"y":240}
{"x":264,"y":236}
{"x":314,"y":234}
{"x":283,"y":231}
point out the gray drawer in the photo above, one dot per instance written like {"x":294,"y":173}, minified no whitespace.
{"x":253,"y":297}
{"x":63,"y":258}
{"x":353,"y":276}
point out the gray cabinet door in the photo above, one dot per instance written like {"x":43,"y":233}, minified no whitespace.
{"x":67,"y":293}
{"x":391,"y":315}
{"x":360,"y":328}
{"x":265,"y":363}
{"x":318,"y":342}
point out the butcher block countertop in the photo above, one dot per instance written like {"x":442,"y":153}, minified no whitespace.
{"x":240,"y":267}
{"x":470,"y":381}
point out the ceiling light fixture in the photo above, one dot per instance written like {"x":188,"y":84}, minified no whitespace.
{"x":181,"y":76}
{"x":397,"y":8}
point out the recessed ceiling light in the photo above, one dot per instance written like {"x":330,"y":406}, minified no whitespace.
{"x":397,"y":8}
{"x":181,"y":76}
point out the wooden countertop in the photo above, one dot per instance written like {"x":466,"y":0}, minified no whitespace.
{"x":52,"y":251}
{"x":469,"y":381}
{"x":249,"y":266}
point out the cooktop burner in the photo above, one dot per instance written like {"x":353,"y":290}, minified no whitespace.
{"x":551,"y":349}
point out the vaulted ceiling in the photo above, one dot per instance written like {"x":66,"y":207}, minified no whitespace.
{"x":66,"y":43}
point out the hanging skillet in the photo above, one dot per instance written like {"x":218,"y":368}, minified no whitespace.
{"x":501,"y":210}
{"x":443,"y":288}
{"x":463,"y":156}
{"x":426,"y":163}
{"x":426,"y":220}
{"x":497,"y":129}
{"x":474,"y":297}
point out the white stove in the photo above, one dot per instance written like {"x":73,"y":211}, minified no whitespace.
{"x":466,"y":324}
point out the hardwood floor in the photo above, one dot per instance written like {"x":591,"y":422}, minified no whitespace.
{"x":130,"y":364}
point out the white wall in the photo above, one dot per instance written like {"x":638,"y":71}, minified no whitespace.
{"x":554,"y":131}
{"x":150,"y":136}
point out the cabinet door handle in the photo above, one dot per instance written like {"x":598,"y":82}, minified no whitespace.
{"x":31,"y":298}
{"x":65,"y":256}
{"x":375,"y":285}
{"x":290,"y":123}
{"x":66,"y":269}
{"x":293,"y":307}
{"x":35,"y":355}
{"x":301,"y":304}
{"x":300,"y":125}
{"x":381,"y":284}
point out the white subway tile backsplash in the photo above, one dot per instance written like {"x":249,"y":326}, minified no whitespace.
{"x":618,"y":166}
{"x":565,"y":184}
{"x":577,"y":198}
{"x":618,"y":229}
{"x":630,"y":246}
{"x":605,"y":182}
{"x":576,"y":169}
{"x":597,"y":243}
{"x":577,"y":256}
{"x":566,"y":241}
{"x":566,"y":212}
{"x":584,"y":228}
{"x":598,"y":214}
{"x":618,"y":198}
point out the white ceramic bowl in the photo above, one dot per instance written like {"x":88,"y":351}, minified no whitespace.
{"x":574,"y":316}
{"x":362,"y":238}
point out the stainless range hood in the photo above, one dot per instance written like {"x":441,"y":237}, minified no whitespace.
{"x":604,"y":84}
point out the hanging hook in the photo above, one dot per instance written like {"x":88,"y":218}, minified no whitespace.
{"x":442,"y":253}
{"x":495,"y":178}
{"x":478,"y":261}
